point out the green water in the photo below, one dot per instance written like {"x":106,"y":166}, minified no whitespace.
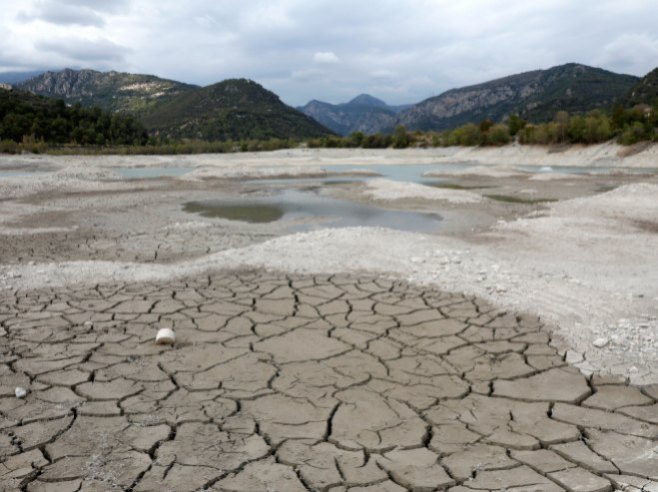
{"x":254,"y":213}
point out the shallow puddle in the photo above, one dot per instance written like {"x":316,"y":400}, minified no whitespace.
{"x":296,"y":207}
{"x":254,"y":213}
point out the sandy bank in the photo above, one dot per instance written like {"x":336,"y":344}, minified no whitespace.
{"x":386,"y":189}
{"x":601,"y":155}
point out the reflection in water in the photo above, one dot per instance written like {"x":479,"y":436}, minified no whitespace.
{"x":414,"y":173}
{"x":295,"y":206}
{"x":249,"y":212}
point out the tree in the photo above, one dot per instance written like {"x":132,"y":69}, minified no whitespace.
{"x":515,"y":124}
{"x":485,"y":125}
{"x":401,"y":138}
{"x":562,"y":122}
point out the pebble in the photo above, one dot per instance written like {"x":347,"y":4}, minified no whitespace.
{"x":165,"y":336}
{"x":20,"y":392}
{"x":601,"y":342}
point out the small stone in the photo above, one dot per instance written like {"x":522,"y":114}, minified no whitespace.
{"x":20,"y":392}
{"x":165,"y":336}
{"x":601,"y":342}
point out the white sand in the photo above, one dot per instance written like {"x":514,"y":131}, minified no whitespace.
{"x":386,"y":189}
{"x":510,"y":156}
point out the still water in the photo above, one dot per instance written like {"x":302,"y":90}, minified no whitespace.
{"x":294,"y":208}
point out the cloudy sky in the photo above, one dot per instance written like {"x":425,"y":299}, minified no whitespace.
{"x":399,"y":50}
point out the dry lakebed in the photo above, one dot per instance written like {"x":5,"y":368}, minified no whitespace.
{"x":345,"y":320}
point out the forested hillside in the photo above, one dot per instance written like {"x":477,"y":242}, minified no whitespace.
{"x":28,"y":116}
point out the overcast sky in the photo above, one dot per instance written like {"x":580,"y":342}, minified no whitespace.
{"x":399,"y":50}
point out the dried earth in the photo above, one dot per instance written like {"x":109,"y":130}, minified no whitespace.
{"x":285,"y":382}
{"x":503,"y":352}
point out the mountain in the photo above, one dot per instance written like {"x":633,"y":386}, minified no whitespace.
{"x":234,"y":109}
{"x":16,"y":77}
{"x":535,"y":96}
{"x":373,"y":102}
{"x":113,"y":91}
{"x":364,"y":113}
{"x":644,"y":92}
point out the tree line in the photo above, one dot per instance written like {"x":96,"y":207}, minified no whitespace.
{"x":626,"y":126}
{"x":34,"y":119}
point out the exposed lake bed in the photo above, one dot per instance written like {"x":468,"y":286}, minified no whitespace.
{"x":576,"y":251}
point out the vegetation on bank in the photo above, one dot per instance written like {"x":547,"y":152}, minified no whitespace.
{"x":38,"y":122}
{"x":153,"y":147}
{"x":626,"y":126}
{"x":30,"y":123}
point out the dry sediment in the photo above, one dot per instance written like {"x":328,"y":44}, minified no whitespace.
{"x":299,"y":380}
{"x":289,"y":382}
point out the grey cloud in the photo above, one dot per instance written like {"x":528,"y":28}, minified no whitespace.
{"x":84,"y":50}
{"x":73,"y":12}
{"x":634,"y":53}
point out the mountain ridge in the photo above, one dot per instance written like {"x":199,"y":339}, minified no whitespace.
{"x":234,"y":109}
{"x":173,"y":109}
{"x":179,"y":110}
{"x":535,"y":96}
{"x":644,"y":92}
{"x":112,"y":91}
{"x":364,"y":113}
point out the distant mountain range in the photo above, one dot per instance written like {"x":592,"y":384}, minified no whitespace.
{"x":535,"y":96}
{"x":233,"y":109}
{"x":242,"y":109}
{"x":364,"y":113}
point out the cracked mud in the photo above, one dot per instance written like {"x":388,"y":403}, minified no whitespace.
{"x":288,"y":382}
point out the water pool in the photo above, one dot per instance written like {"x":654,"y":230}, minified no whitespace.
{"x":292,"y":207}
